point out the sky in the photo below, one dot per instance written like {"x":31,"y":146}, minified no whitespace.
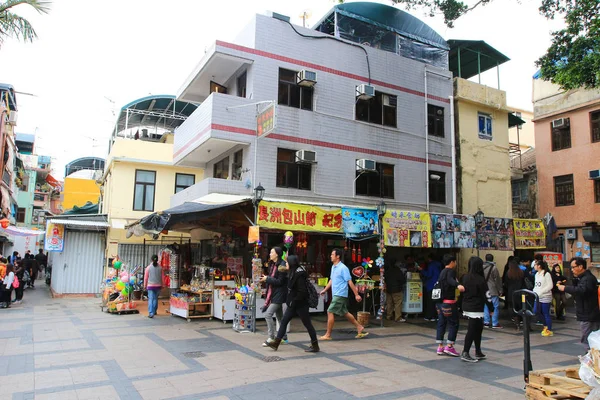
{"x":92,"y":57}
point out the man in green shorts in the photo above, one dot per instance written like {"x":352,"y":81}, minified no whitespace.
{"x":339,"y":282}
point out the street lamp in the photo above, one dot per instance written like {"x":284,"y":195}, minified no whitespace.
{"x":479,"y":217}
{"x":259,"y":194}
{"x":381,"y":208}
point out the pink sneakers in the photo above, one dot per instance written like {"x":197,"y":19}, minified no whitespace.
{"x":451,"y":351}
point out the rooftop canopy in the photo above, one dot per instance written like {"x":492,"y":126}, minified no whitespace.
{"x":162,"y":111}
{"x":392,"y":19}
{"x":89,"y":163}
{"x":469,"y":58}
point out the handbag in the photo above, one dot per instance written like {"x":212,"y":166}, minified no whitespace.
{"x":16,"y":282}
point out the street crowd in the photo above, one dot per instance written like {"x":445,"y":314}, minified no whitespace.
{"x":18,"y":273}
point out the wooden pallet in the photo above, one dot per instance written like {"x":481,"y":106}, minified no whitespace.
{"x":556,"y":383}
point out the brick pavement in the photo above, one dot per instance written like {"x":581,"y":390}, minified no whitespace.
{"x":67,"y":349}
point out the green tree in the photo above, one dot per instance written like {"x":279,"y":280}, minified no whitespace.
{"x":572,"y":60}
{"x":15,"y":26}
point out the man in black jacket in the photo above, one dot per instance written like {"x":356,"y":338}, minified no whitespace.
{"x":586,"y":299}
{"x":394,"y":291}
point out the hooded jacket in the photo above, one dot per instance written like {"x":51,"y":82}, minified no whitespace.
{"x":297,"y":292}
{"x":586,"y":297}
{"x":476,"y":294}
{"x":277,"y":282}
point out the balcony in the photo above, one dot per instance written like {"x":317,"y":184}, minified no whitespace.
{"x":208,"y":186}
{"x":40,"y":199}
{"x":479,"y":94}
{"x":213,"y":129}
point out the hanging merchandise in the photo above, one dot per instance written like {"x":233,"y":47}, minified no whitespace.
{"x":353,"y":253}
{"x":380,"y":262}
{"x":359,"y":256}
{"x":117,"y":290}
{"x":169,"y":261}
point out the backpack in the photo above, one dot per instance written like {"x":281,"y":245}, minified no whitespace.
{"x":16,"y":282}
{"x":313,"y":296}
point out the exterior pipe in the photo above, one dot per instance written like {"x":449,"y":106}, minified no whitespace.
{"x":453,"y":145}
{"x":426,"y":144}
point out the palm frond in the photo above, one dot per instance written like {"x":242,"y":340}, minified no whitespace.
{"x":43,"y":7}
{"x":12,"y":25}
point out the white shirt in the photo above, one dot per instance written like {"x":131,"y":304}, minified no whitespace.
{"x":8,"y":280}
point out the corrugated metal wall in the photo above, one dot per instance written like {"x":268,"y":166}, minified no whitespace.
{"x":138,"y":254}
{"x":79,"y":268}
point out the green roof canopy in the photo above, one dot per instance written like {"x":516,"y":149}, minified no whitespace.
{"x":469,"y":58}
{"x":514,"y":120}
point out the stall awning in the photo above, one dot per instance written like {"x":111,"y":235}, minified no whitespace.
{"x":18,"y":231}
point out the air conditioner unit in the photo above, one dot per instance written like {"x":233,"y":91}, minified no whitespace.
{"x":571,"y":234}
{"x":595,"y":174}
{"x":12,"y":118}
{"x":34,"y":219}
{"x":560,"y":122}
{"x":306,"y":78}
{"x":389,"y":101}
{"x":365,"y":92}
{"x":365,"y":165}
{"x":306,"y":156}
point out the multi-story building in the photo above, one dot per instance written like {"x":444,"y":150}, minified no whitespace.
{"x":567,"y":138}
{"x":363,"y":112}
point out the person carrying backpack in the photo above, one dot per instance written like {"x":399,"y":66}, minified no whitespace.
{"x":447,"y":308}
{"x":494,"y":283}
{"x":395,"y":280}
{"x":297,"y":305}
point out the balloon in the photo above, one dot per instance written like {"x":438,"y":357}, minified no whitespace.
{"x":117,"y":264}
{"x":288,"y":239}
{"x":125,"y":291}
{"x":120,"y":285}
{"x":125,"y":278}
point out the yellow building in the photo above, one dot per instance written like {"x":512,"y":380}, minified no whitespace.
{"x":78,"y":190}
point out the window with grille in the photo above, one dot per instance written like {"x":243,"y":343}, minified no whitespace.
{"x":564,"y":191}
{"x":291,"y":94}
{"x":561,"y":135}
{"x":595,"y":125}
{"x":379,"y":183}
{"x":597,"y":190}
{"x":520,"y":192}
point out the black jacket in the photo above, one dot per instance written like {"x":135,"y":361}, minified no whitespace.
{"x":555,"y":279}
{"x":586,"y":297}
{"x":512,"y":286}
{"x":297,"y":292}
{"x":277,"y":282}
{"x":476,"y":294}
{"x":41,"y":259}
{"x":394,"y":280}
{"x":448,"y":283}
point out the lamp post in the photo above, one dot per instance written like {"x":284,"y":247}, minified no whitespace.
{"x":259,"y":194}
{"x":479,"y":218}
{"x":381,"y":209}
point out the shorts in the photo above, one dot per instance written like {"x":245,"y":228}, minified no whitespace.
{"x":338,"y":306}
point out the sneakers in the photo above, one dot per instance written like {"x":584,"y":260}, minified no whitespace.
{"x":547,"y":332}
{"x":285,"y":341}
{"x":451,"y":351}
{"x":401,"y":320}
{"x":486,"y":324}
{"x":480,"y":356}
{"x":440,"y":350}
{"x":467,"y":357}
{"x":497,"y":327}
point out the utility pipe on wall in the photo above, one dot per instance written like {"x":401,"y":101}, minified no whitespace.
{"x":453,"y":144}
{"x":426,"y":143}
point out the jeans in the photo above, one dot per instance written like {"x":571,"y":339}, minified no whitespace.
{"x":272,"y":328}
{"x":496,"y":315}
{"x":544,"y":312}
{"x":447,"y":317}
{"x":474,"y":332}
{"x":302,"y":312}
{"x":587,"y":327}
{"x":153,"y":301}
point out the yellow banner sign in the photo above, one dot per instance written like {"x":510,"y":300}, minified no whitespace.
{"x":407,"y":228}
{"x":55,"y":237}
{"x":529,"y":234}
{"x":299,"y":217}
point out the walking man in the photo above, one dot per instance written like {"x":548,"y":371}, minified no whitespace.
{"x":394,"y":290}
{"x":447,"y":309}
{"x":494,"y":282}
{"x":586,"y":299}
{"x":338,"y":282}
{"x":42,"y":260}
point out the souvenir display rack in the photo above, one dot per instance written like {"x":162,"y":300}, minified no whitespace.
{"x":195,"y":300}
{"x":244,"y":315}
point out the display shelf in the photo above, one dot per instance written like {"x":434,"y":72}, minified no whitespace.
{"x":181,"y":307}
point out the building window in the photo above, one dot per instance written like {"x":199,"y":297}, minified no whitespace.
{"x":143,"y":199}
{"x":485,"y":126}
{"x":215,"y":87}
{"x":380,"y":109}
{"x":21,"y":215}
{"x":236,"y":166}
{"x":564,"y":192}
{"x":221,"y":169}
{"x":379,"y":183}
{"x":595,"y":126}
{"x":291,"y":174}
{"x":595,"y":252}
{"x":561,"y":134}
{"x":437,"y":187}
{"x":184,"y":181}
{"x":597,"y":190}
{"x":520,"y":192}
{"x":292,"y":95}
{"x":435,"y":120}
{"x":241,"y":85}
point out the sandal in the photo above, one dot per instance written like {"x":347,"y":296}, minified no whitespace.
{"x":361,"y":335}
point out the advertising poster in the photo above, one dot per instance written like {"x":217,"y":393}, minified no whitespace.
{"x":552,"y":258}
{"x":495,"y":234}
{"x":407,"y":228}
{"x":55,"y":237}
{"x":453,"y":230}
{"x":299,"y":217}
{"x":358,"y":222}
{"x":529,"y":234}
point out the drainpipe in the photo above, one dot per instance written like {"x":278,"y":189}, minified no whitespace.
{"x":453,"y":144}
{"x":426,"y":144}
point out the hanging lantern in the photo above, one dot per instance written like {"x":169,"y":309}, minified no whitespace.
{"x":4,"y":223}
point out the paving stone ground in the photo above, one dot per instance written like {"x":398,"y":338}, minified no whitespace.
{"x":68,"y":349}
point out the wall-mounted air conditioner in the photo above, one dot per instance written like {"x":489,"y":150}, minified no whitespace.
{"x":12,"y":118}
{"x":390,"y":101}
{"x":571,"y":234}
{"x":306,"y":78}
{"x":560,"y":122}
{"x":306,"y":156}
{"x":595,"y":174}
{"x":365,"y":92}
{"x":365,"y":165}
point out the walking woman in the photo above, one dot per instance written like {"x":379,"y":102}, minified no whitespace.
{"x":153,"y":284}
{"x":475,"y":297}
{"x":7,"y":286}
{"x":276,"y":280}
{"x":560,"y":299}
{"x":297,"y":305}
{"x":543,"y":288}
{"x":19,"y":272}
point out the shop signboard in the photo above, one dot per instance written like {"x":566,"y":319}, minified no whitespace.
{"x":359,"y":222}
{"x":407,"y":228}
{"x":529,"y":234}
{"x":253,"y":234}
{"x":495,"y":234}
{"x":299,"y":217}
{"x":266,"y":120}
{"x":55,"y":235}
{"x":552,"y":258}
{"x":453,"y":231}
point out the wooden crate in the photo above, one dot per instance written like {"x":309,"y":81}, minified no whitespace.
{"x":556,"y":383}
